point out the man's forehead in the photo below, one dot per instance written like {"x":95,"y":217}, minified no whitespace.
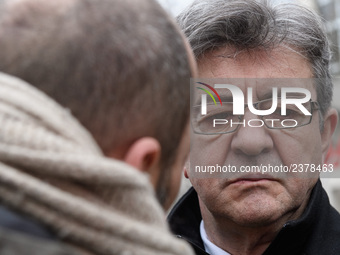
{"x":277,"y":63}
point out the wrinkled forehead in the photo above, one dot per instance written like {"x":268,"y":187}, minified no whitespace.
{"x":280,"y":62}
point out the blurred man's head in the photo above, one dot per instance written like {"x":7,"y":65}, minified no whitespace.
{"x":258,"y":43}
{"x":123,"y":76}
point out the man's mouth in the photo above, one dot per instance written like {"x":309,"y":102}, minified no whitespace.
{"x":252,"y":178}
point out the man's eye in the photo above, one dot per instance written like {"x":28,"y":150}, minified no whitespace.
{"x":220,"y":115}
{"x":291,"y":113}
{"x":206,"y":123}
{"x":276,"y":114}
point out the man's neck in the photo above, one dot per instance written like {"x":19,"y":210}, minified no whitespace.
{"x":241,"y":241}
{"x":244,"y":240}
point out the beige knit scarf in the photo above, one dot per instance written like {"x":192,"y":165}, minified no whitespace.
{"x":51,"y":169}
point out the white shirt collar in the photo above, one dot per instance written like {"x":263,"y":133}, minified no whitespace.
{"x":210,"y":248}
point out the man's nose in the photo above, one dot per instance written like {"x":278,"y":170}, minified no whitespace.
{"x":252,"y":140}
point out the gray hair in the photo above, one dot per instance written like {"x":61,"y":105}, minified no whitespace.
{"x":256,"y":24}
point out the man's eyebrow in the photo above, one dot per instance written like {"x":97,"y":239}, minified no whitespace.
{"x":269,"y":95}
{"x":224,"y":98}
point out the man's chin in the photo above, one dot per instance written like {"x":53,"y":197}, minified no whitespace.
{"x":256,"y":220}
{"x":257,"y":212}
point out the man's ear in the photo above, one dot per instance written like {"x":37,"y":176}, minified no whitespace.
{"x":186,"y":168}
{"x":330,"y":121}
{"x":144,"y":154}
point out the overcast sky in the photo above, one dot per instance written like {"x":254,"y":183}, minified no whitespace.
{"x":176,"y":6}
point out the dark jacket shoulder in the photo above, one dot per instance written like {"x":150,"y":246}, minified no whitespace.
{"x":23,"y":235}
{"x":16,"y":243}
{"x":316,"y":232}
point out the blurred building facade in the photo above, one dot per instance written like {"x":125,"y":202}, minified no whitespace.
{"x":330,"y":12}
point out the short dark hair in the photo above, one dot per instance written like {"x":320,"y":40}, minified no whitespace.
{"x":120,"y":67}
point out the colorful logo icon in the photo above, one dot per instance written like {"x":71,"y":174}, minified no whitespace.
{"x":209,"y":93}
